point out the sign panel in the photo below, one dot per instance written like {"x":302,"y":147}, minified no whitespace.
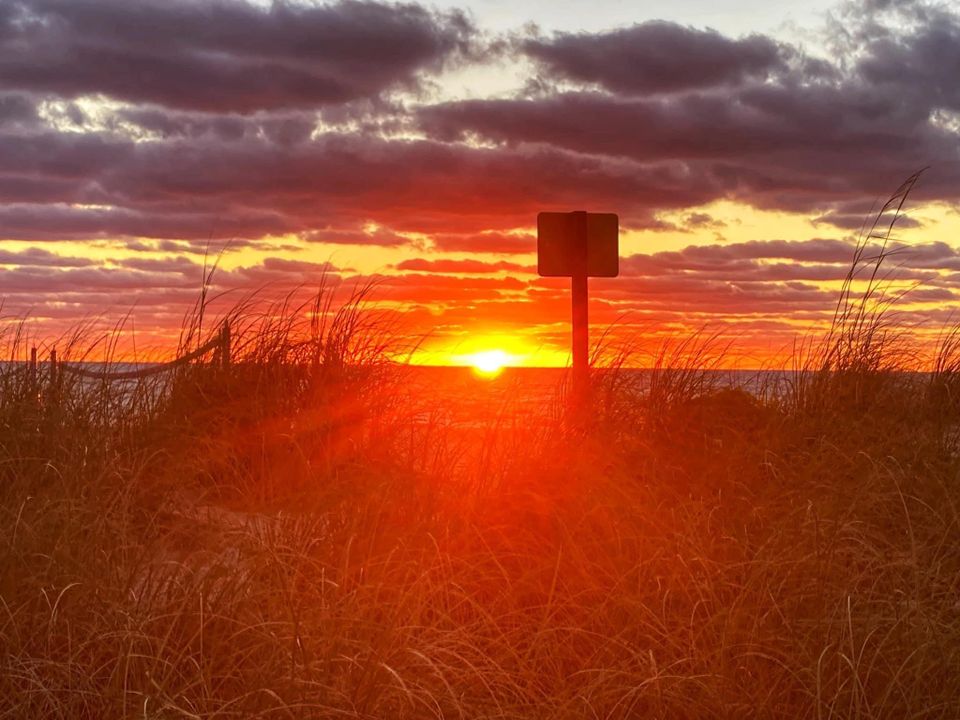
{"x":561,"y":238}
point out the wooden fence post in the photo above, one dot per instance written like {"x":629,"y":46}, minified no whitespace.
{"x":32,"y":370}
{"x":53,"y":367}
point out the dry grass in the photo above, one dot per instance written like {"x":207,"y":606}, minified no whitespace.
{"x":294,"y":535}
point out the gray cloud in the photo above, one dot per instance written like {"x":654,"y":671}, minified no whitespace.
{"x":657,"y":117}
{"x":219,"y":56}
{"x":656,"y":57}
{"x":205,"y":188}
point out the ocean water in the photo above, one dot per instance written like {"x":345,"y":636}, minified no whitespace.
{"x":533,"y":395}
{"x":539,"y":382}
{"x":511,"y":383}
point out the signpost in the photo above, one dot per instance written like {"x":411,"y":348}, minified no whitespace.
{"x":578,"y":245}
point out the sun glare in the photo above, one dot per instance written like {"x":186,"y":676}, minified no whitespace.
{"x":488,"y":363}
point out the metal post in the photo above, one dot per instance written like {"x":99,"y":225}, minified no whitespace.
{"x":581,"y":359}
{"x":225,"y":344}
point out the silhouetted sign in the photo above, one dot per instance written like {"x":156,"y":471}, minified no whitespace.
{"x":565,"y":241}
{"x":578,"y":245}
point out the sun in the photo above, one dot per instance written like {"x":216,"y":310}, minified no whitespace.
{"x":488,"y":363}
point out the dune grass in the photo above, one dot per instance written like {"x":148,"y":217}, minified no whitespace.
{"x":296,"y":534}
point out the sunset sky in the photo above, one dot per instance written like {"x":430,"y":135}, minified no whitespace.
{"x":741,"y":142}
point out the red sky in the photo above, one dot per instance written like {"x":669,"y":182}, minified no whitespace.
{"x":415,"y":147}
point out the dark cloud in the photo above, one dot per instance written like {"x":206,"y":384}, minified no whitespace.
{"x":18,"y":111}
{"x":39,"y":189}
{"x":817,"y":251}
{"x":201,"y":189}
{"x":761,"y":277}
{"x":67,"y":222}
{"x":722,"y":297}
{"x":923,"y":60}
{"x":431,"y":289}
{"x":445,"y":266}
{"x":790,"y":143}
{"x":38,"y":257}
{"x":702,"y":220}
{"x":345,"y":236}
{"x":656,"y":57}
{"x":281,"y":273}
{"x":788,"y":147}
{"x":747,"y":287}
{"x":268,"y":129}
{"x":88,"y":280}
{"x":487,"y":242}
{"x":170,"y":264}
{"x":160,"y":289}
{"x":851,"y":221}
{"x":282,"y":127}
{"x":221,"y":56}
{"x":812,"y":136}
{"x":167,"y":124}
